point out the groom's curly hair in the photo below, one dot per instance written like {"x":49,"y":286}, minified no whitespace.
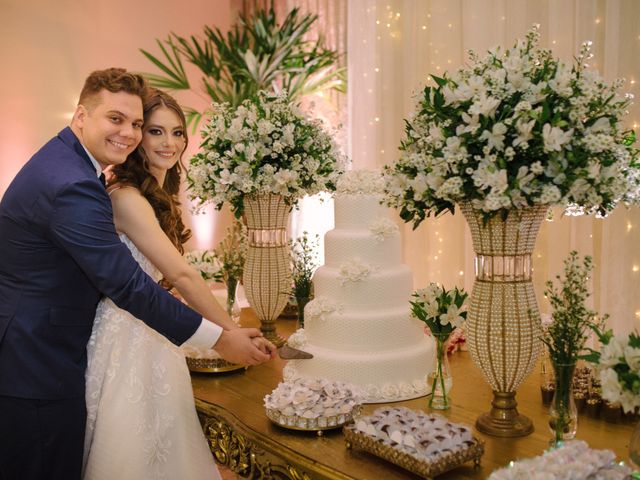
{"x":163,"y":198}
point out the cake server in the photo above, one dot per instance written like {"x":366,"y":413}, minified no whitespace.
{"x":289,"y":353}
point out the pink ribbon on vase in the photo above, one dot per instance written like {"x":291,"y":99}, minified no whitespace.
{"x":503,"y":268}
{"x":267,"y":237}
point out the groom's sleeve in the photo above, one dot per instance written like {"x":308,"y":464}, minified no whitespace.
{"x":206,"y":335}
{"x":82,"y":224}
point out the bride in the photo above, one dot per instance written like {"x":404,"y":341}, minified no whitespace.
{"x":141,"y":417}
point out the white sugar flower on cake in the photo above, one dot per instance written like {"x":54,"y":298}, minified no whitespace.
{"x":360,"y":182}
{"x":405,"y":389}
{"x":390,"y":390}
{"x":355,"y":270}
{"x":320,"y":307}
{"x":298,"y":339}
{"x":420,"y":386}
{"x":383,"y":228}
{"x":373,"y":392}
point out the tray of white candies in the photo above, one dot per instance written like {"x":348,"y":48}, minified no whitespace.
{"x":313,"y":404}
{"x":425,"y":444}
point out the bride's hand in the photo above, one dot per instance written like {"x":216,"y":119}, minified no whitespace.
{"x":237,"y":346}
{"x":265,"y":346}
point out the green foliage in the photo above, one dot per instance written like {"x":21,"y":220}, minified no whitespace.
{"x":304,"y":261}
{"x":257,"y":54}
{"x":567,"y":334}
{"x":231,"y":252}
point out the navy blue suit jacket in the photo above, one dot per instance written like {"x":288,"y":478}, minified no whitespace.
{"x":59,"y":253}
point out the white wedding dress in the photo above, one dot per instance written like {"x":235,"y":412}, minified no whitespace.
{"x":141,"y":417}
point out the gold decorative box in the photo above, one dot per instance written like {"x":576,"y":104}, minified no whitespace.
{"x":444,"y":463}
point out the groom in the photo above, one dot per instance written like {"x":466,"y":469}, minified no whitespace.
{"x":59,"y":254}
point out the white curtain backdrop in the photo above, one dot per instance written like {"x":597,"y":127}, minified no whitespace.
{"x":394,"y":45}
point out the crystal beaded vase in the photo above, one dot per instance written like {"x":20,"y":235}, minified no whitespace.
{"x":503,"y":322}
{"x":267,"y":270}
{"x":440,"y":380}
{"x":563,"y":414}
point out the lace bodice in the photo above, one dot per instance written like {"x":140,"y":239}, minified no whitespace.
{"x":143,"y":261}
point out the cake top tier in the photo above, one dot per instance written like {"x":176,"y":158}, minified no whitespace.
{"x":360,"y":182}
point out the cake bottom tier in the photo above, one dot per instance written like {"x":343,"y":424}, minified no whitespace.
{"x":386,"y":376}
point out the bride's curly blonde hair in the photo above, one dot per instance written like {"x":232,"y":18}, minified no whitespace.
{"x":135,"y":172}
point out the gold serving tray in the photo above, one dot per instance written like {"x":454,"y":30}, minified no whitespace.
{"x":317,"y":425}
{"x":361,"y":441}
{"x":212,"y":365}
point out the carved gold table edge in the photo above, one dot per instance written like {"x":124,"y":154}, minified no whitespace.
{"x":253,"y":455}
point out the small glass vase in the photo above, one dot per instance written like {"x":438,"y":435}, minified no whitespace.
{"x":634,"y":448}
{"x":233,"y":309}
{"x":563,"y":414}
{"x":301,"y":302}
{"x":440,"y":379}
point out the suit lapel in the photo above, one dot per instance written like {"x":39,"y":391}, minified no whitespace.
{"x":69,"y":138}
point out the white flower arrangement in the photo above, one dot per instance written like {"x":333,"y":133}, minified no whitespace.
{"x":572,"y":461}
{"x":383,"y":228}
{"x":441,"y":310}
{"x":205,"y":262}
{"x":266,"y":145}
{"x":360,"y":182}
{"x":516,"y":128}
{"x":313,"y":398}
{"x":618,"y":367}
{"x":354,"y":270}
{"x":321,"y":307}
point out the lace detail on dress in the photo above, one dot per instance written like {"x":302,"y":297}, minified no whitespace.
{"x":138,"y":386}
{"x":148,"y":267}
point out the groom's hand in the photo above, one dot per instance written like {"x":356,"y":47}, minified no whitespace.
{"x":237,"y":346}
{"x":265,"y":346}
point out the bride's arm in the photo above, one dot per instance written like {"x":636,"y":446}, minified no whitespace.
{"x":134,"y":216}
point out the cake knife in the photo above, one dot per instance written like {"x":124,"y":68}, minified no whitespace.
{"x":289,"y":353}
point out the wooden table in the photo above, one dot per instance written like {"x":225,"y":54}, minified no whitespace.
{"x":231,"y":410}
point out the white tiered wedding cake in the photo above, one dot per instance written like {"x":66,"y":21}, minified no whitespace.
{"x":358,"y":327}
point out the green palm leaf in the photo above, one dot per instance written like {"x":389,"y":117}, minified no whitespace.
{"x":255,"y":54}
